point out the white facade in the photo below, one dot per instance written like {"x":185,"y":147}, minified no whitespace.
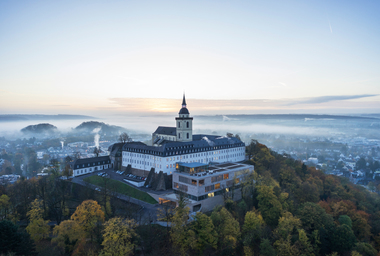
{"x":167,"y":164}
{"x":86,"y":170}
{"x":90,"y":165}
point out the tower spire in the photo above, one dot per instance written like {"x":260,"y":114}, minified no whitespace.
{"x":184,"y":101}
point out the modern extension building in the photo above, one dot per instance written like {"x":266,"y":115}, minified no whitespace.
{"x":171,"y":145}
{"x":202,"y":181}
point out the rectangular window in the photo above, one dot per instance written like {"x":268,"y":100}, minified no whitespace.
{"x":229,"y":183}
{"x":184,"y":179}
{"x":217,"y":186}
{"x":201,"y":182}
{"x":237,"y":180}
{"x":209,"y":188}
{"x":216,"y":178}
{"x":194,"y":182}
{"x":225,"y":176}
{"x":182,"y":187}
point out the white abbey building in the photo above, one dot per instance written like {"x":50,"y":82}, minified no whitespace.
{"x":178,"y":144}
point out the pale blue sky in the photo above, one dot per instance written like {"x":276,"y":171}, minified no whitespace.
{"x":94,"y":56}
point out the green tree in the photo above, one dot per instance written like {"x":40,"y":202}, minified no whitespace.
{"x":269,"y":205}
{"x":287,"y":226}
{"x":344,"y":219}
{"x":343,"y":238}
{"x":365,"y":249}
{"x":228,"y":229}
{"x":12,"y":241}
{"x":313,"y":217}
{"x":204,"y":233}
{"x":118,"y":237}
{"x":266,"y":249}
{"x":4,"y":206}
{"x":304,"y":246}
{"x":252,"y":228}
{"x":179,"y":232}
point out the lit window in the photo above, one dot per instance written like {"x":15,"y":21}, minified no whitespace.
{"x":217,"y":186}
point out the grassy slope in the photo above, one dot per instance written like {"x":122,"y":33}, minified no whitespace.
{"x":121,"y":188}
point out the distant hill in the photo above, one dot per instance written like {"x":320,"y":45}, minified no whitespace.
{"x":40,"y":128}
{"x":13,"y":118}
{"x":99,"y":127}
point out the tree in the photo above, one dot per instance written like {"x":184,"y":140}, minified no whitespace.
{"x":269,"y":206}
{"x":97,"y":151}
{"x":88,"y":215}
{"x":252,"y":228}
{"x":266,"y":249}
{"x":313,"y":217}
{"x":303,"y":244}
{"x":204,"y":233}
{"x":118,"y":237}
{"x":287,"y":225}
{"x":4,"y":206}
{"x":228,"y":229}
{"x":67,"y":234}
{"x":361,"y":164}
{"x":343,"y":238}
{"x":365,"y":249}
{"x":344,"y":219}
{"x":179,"y":232}
{"x":12,"y":241}
{"x":38,"y":228}
{"x":124,"y":137}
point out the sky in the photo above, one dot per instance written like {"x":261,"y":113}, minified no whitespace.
{"x":105,"y":58}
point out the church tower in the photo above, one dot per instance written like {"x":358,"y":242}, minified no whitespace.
{"x":184,"y":123}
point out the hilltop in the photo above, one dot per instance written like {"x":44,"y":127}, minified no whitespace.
{"x":99,"y":127}
{"x":40,"y":128}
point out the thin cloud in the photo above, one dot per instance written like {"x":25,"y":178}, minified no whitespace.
{"x":230,"y":106}
{"x":330,"y":27}
{"x":323,"y":99}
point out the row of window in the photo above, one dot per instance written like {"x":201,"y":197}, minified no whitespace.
{"x":234,"y":147}
{"x":181,"y":157}
{"x":211,"y":194}
{"x":187,"y":125}
{"x":93,"y":164}
{"x":91,"y":169}
{"x":187,"y":135}
{"x":220,"y":177}
{"x":181,"y":187}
